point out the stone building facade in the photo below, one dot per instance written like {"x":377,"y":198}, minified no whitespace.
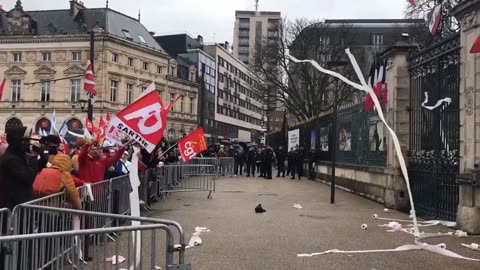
{"x":43,"y":56}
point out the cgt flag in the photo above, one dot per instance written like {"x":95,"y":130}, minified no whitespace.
{"x":192,"y":145}
{"x":413,"y":2}
{"x":144,"y":120}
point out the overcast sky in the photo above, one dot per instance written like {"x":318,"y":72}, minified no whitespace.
{"x":214,"y":19}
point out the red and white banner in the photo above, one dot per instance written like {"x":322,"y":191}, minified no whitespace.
{"x":144,"y":120}
{"x":89,"y":85}
{"x":111,"y":135}
{"x":192,"y":145}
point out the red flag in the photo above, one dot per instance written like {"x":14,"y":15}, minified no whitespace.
{"x":192,"y":145}
{"x":108,"y":118}
{"x":413,"y":2}
{"x":102,"y":127}
{"x":144,"y":120}
{"x":91,"y":128}
{"x":2,"y":86}
{"x":385,"y":95}
{"x":476,"y":46}
{"x":65,"y":145}
{"x":369,"y":101}
{"x":89,"y":85}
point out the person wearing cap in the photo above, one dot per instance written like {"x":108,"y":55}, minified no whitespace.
{"x":123,"y":165}
{"x":93,"y":164}
{"x":16,"y":176}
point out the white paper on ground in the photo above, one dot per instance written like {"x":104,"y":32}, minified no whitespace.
{"x":472,"y":246}
{"x":194,"y":241}
{"x":135,"y":206}
{"x":116,"y":259}
{"x":298,"y":206}
{"x":201,"y":229}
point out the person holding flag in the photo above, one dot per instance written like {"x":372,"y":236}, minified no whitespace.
{"x":92,"y":164}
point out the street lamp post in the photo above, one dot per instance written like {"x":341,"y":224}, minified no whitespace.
{"x":334,"y":65}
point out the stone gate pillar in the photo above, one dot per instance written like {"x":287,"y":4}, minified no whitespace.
{"x":467,"y":13}
{"x":398,"y":117}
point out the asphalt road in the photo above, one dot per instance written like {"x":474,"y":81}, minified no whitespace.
{"x":241,"y":239}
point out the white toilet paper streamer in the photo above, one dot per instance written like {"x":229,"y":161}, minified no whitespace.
{"x":439,"y":249}
{"x":135,"y":206}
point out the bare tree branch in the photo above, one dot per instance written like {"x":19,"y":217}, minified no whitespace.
{"x":305,"y":92}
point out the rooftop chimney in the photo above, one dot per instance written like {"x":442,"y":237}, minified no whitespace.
{"x":75,"y":7}
{"x":227,"y":46}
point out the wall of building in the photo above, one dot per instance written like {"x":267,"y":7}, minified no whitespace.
{"x":30,"y":108}
{"x":237,"y":103}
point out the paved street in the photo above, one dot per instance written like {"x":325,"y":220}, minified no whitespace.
{"x":241,"y":239}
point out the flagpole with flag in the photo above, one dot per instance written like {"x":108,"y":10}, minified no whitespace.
{"x":53,"y":123}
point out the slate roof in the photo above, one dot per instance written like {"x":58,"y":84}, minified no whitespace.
{"x":60,"y":22}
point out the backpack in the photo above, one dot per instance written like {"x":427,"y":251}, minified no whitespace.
{"x":47,"y":182}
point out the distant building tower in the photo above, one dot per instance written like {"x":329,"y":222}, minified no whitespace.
{"x":250,"y":28}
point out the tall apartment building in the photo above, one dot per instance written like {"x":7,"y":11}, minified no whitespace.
{"x":43,"y":58}
{"x":239,"y":111}
{"x":251,"y":27}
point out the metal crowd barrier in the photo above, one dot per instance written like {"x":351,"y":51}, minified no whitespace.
{"x":184,"y":178}
{"x":226,"y":166}
{"x":4,"y":221}
{"x":223,"y":165}
{"x":63,"y":249}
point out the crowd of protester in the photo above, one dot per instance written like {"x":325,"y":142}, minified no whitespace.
{"x":32,"y":166}
{"x":252,"y":159}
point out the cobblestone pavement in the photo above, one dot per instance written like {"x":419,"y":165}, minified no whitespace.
{"x":241,"y":239}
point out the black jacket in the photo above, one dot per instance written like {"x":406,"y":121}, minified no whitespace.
{"x":16,"y":179}
{"x":251,"y":156}
{"x":268,"y":156}
{"x":281,"y":155}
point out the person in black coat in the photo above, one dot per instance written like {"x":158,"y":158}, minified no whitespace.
{"x":281,"y":157}
{"x":251,"y":161}
{"x":260,"y":163}
{"x":293,"y":158}
{"x":268,"y":159}
{"x":16,"y":175}
{"x":300,"y":161}
{"x":311,"y":161}
{"x":290,"y":161}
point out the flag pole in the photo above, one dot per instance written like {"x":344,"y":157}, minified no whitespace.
{"x":166,"y":151}
{"x":92,"y":60}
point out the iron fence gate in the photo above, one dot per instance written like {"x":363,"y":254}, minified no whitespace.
{"x":435,"y":130}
